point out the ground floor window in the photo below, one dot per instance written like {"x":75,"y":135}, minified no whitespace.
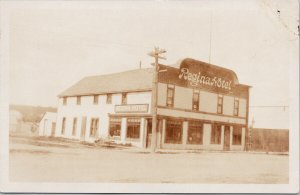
{"x":216,"y":134}
{"x":237,"y":135}
{"x":115,"y":126}
{"x":133,"y":128}
{"x":195,"y":132}
{"x":94,"y":127}
{"x":63,"y":126}
{"x":173,"y":132}
{"x":74,"y":126}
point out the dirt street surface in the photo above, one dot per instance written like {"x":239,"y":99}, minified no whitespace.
{"x":34,"y":159}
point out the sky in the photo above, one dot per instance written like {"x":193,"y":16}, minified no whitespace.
{"x":52,"y":45}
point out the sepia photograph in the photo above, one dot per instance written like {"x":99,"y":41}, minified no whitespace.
{"x":150,"y":96}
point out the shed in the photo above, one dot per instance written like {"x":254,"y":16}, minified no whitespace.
{"x":47,"y":124}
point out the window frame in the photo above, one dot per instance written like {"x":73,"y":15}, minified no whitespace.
{"x":74,"y":128}
{"x":171,"y":99}
{"x":196,"y":103}
{"x":240,"y":129}
{"x":78,"y":100}
{"x":195,"y":123}
{"x":94,"y":127}
{"x":213,"y":139}
{"x":109,"y":98}
{"x":236,"y":107}
{"x":137,"y":125}
{"x":167,"y":139}
{"x":220,"y":104}
{"x":65,"y":101}
{"x":63,"y":125}
{"x":114,"y":121}
{"x":124,"y":99}
{"x":96,"y":99}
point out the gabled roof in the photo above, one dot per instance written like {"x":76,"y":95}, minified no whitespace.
{"x":133,"y":80}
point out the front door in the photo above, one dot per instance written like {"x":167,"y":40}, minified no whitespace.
{"x":149,"y":133}
{"x":83,"y":128}
{"x":226,"y":138}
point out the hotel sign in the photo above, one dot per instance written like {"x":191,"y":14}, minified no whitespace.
{"x":132,"y":108}
{"x":197,"y":79}
{"x":199,"y":75}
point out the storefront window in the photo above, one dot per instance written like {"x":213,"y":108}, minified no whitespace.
{"x":94,"y":127}
{"x":115,"y":127}
{"x":133,"y":128}
{"x":216,"y":134}
{"x":173,"y":132}
{"x":195,"y":132}
{"x":237,"y":135}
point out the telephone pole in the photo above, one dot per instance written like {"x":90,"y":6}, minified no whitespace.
{"x":156,"y":54}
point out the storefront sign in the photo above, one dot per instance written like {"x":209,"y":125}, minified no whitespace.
{"x":197,"y":79}
{"x":137,"y":108}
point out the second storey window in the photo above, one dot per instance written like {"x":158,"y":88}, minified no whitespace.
{"x":236,"y":107}
{"x":170,"y":95}
{"x":108,"y":99}
{"x":65,"y":101}
{"x":96,"y":99}
{"x":220,"y":104}
{"x":124,"y":98}
{"x":196,"y":100}
{"x":78,"y":100}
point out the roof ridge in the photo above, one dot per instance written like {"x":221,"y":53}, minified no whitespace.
{"x":115,"y":73}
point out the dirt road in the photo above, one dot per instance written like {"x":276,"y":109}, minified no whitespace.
{"x":44,"y":160}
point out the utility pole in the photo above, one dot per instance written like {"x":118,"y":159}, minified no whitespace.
{"x":156,"y":54}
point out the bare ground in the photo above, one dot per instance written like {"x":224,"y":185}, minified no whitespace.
{"x":35,"y":159}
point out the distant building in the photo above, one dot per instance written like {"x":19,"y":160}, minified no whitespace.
{"x":47,"y":124}
{"x":200,"y":106}
{"x":15,"y":120}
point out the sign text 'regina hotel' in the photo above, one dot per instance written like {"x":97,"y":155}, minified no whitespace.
{"x":199,"y":106}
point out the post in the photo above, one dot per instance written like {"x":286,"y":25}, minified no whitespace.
{"x":154,"y":106}
{"x":155,"y":54}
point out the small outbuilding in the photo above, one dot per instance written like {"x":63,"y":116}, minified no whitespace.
{"x":47,"y":124}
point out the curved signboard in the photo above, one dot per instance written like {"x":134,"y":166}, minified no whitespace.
{"x":201,"y":75}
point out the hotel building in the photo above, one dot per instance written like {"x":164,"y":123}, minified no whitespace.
{"x":199,"y":106}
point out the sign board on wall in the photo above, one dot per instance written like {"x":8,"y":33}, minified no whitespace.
{"x":132,"y":108}
{"x":200,"y":75}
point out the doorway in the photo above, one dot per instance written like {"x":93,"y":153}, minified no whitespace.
{"x":149,"y":133}
{"x":83,"y":128}
{"x":226,"y":137}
